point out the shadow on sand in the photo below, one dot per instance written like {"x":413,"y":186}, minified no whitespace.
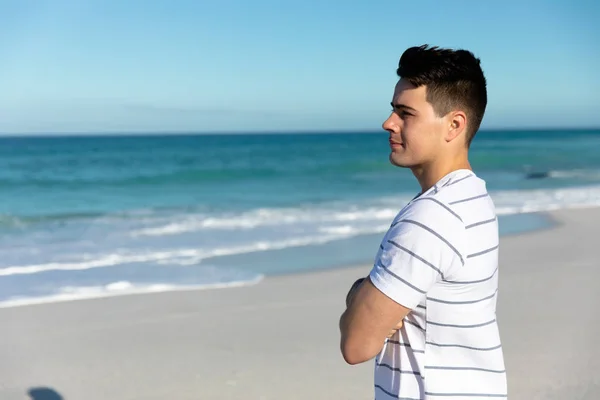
{"x":44,"y":393}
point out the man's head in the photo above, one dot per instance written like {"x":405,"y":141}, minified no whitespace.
{"x":438,"y":105}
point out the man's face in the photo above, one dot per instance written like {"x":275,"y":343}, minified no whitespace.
{"x":416,"y":132}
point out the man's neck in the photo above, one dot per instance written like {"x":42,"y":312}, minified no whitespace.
{"x":429,"y":175}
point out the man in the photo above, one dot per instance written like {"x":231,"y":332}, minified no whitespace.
{"x":427,"y":310}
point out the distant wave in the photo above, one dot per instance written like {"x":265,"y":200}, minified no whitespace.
{"x":507,"y":202}
{"x":580,"y":175}
{"x":7,"y":220}
{"x":121,"y":288}
{"x":584,"y":174}
{"x":269,"y":217}
{"x":188,"y":256}
{"x":12,"y":221}
{"x":525,"y":201}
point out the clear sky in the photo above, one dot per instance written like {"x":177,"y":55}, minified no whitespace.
{"x":254,"y":65}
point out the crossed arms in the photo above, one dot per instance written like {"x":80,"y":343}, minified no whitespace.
{"x":413,"y":258}
{"x":369,"y":319}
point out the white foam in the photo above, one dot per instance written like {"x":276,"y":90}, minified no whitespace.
{"x":519,"y":202}
{"x":588,"y":174}
{"x":375,"y":212}
{"x":331,"y":235}
{"x":186,"y":256}
{"x":121,"y":288}
{"x":268,"y":217}
{"x":11,"y":221}
{"x":99,"y":262}
{"x":343,"y":229}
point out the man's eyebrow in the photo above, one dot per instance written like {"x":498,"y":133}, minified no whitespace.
{"x":398,"y":105}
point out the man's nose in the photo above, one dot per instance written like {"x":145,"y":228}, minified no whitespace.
{"x":390,"y":124}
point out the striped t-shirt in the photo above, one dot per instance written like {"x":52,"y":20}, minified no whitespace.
{"x":440,"y":259}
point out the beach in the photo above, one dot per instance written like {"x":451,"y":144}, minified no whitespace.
{"x":278,"y":339}
{"x":162,"y":239}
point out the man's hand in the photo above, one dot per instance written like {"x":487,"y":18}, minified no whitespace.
{"x":396,"y":329}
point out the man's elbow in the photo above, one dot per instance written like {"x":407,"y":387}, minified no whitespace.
{"x":354,"y":358}
{"x":355,"y":353}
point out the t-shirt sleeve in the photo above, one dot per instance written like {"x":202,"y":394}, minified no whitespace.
{"x":423,"y":246}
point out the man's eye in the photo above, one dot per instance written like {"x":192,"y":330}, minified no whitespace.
{"x":401,"y":112}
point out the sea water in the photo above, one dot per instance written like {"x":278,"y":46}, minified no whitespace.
{"x":95,"y":216}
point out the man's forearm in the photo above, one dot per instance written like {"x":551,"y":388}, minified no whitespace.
{"x":357,"y":342}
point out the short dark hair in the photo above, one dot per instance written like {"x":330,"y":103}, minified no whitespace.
{"x":454,"y":79}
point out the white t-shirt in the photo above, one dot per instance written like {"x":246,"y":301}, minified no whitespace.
{"x":440,"y":259}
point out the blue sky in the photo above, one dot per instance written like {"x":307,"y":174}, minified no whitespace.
{"x":208,"y":66}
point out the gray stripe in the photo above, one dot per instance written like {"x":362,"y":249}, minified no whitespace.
{"x":469,"y":199}
{"x":459,"y":180}
{"x":395,"y":395}
{"x":422,"y":306}
{"x":462,"y":326}
{"x":495,"y":371}
{"x":401,"y":371}
{"x":410,"y":221}
{"x":407,"y":283}
{"x":441,"y":204}
{"x":478,"y":281}
{"x":424,"y":261}
{"x":465,"y":347}
{"x":405,"y":345}
{"x":465,"y":301}
{"x":487,"y":221}
{"x":483,"y":252}
{"x":414,"y":324}
{"x":465,"y":394}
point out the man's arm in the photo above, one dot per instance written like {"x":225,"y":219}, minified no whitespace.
{"x":367,"y":322}
{"x":353,"y":290}
{"x":426,"y":244}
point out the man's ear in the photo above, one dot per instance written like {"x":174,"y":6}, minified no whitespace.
{"x":457,"y":125}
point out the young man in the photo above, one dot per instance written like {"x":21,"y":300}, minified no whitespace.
{"x":427,"y":310}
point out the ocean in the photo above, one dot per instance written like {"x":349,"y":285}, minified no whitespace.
{"x":94,"y":216}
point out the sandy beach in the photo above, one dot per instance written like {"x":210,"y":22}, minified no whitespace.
{"x":279,"y":338}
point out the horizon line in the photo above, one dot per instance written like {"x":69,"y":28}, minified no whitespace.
{"x":265,"y":132}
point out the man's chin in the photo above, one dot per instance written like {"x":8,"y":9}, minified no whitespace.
{"x":398,"y":162}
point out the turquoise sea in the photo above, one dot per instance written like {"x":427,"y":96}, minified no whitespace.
{"x":107,"y":215}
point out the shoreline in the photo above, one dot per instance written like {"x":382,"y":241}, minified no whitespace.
{"x":550,"y":223}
